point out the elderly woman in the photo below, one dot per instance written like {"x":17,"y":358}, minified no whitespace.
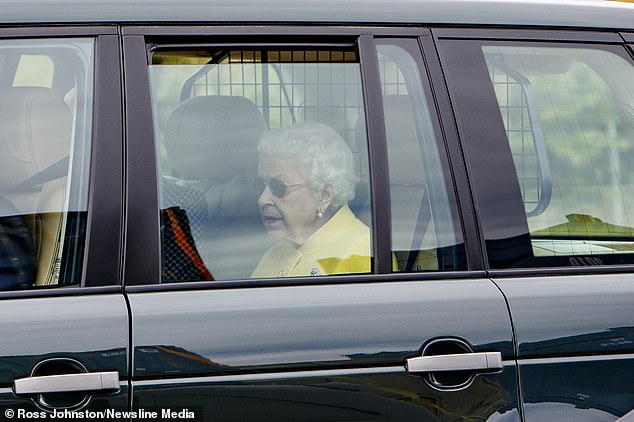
{"x":307,"y":178}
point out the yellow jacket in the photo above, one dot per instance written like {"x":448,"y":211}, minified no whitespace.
{"x":340,"y":246}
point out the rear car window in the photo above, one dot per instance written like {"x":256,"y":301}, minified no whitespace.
{"x":262,"y":160}
{"x":569,"y":120}
{"x":46,"y":91}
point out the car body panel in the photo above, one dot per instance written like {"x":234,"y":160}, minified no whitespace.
{"x":571,"y":315}
{"x":315,"y":352}
{"x":385,"y":394}
{"x":283,"y":328}
{"x":92,"y":330}
{"x":577,"y":388}
{"x":575,"y":339}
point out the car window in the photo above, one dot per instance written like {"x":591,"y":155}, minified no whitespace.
{"x":46,"y":92}
{"x":34,"y":70}
{"x":568,"y":115}
{"x":262,"y":161}
{"x":424,"y":235}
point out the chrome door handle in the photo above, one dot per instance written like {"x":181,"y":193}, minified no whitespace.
{"x":84,"y":381}
{"x":488,"y":361}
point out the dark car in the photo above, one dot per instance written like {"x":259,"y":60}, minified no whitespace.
{"x":317,"y":211}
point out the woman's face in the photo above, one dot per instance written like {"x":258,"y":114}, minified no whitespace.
{"x":294,"y":215}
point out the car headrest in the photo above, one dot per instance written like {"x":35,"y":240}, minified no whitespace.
{"x":35,"y":132}
{"x":213,"y":137}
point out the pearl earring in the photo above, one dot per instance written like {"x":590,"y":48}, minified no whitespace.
{"x":320,"y":214}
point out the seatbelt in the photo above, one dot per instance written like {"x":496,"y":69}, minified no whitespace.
{"x":54,"y":171}
{"x":422,"y":222}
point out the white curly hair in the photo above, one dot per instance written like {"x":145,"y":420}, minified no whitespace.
{"x":324,"y":157}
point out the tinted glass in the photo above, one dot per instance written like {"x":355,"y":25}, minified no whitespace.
{"x":45,"y":134}
{"x":424,"y":235}
{"x":262,"y":162}
{"x":568,"y":115}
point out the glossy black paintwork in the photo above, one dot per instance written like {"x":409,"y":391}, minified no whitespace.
{"x":582,"y":328}
{"x":572,"y":315}
{"x":579,"y":389}
{"x":90,"y":329}
{"x":300,"y":327}
{"x":388,"y":396}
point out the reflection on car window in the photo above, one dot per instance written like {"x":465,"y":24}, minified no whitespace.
{"x":45,"y":129}
{"x":569,"y":114}
{"x":424,"y":235}
{"x":262,"y":154}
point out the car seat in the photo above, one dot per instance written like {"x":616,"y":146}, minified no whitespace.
{"x":211,"y":144}
{"x":35,"y":134}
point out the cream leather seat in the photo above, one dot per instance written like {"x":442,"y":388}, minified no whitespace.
{"x":35,"y":133}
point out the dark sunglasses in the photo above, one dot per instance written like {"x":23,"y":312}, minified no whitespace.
{"x":277,"y":186}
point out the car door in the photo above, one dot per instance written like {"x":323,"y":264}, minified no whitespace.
{"x":552,"y":111}
{"x":65,"y":327}
{"x":414,"y":331}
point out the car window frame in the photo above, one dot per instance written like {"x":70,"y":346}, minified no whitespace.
{"x":142,"y":251}
{"x":494,"y":136}
{"x":101,"y":270}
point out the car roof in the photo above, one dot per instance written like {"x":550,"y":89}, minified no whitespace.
{"x":559,"y":13}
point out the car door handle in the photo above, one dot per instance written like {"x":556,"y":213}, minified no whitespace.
{"x":488,"y":361}
{"x":85,"y":381}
